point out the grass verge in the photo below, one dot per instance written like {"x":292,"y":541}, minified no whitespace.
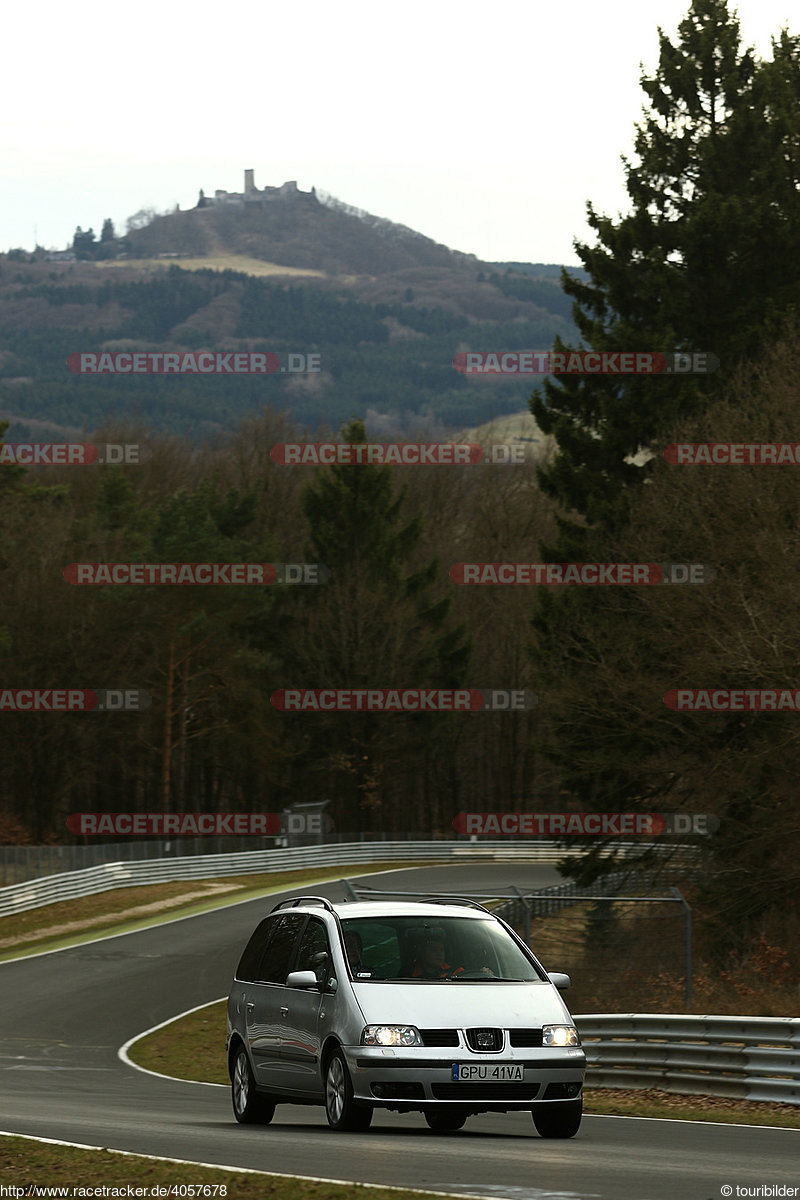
{"x":193,"y":1048}
{"x":652,"y":1102}
{"x":25,"y":1163}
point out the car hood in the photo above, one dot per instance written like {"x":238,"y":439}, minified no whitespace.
{"x":461,"y":1005}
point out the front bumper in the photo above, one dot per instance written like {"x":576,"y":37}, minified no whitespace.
{"x":417,"y":1076}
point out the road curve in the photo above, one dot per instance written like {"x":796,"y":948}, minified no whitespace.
{"x":64,"y":1015}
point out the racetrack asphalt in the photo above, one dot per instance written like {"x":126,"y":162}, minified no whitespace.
{"x":64,"y":1015}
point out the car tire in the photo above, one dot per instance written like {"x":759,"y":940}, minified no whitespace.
{"x":558,"y":1120}
{"x":249,"y":1107}
{"x":445,"y":1120}
{"x":344,"y":1113}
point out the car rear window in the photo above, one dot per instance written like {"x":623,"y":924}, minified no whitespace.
{"x":275,"y":963}
{"x":250,"y":961}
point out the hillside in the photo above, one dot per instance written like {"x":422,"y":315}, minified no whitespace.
{"x":295,"y":230}
{"x":384,"y":307}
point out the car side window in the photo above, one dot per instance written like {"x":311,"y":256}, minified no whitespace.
{"x":248,"y":968}
{"x":314,"y":952}
{"x":275,"y":963}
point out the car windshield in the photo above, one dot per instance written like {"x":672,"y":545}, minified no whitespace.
{"x":434,"y":948}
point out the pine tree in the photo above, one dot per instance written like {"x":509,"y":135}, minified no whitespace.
{"x":706,"y":261}
{"x":378,"y":622}
{"x":607,"y":657}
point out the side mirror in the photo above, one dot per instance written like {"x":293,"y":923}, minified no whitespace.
{"x":559,"y":980}
{"x":301,"y":979}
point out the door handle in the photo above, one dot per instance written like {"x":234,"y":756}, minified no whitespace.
{"x":250,"y":1006}
{"x":284,"y":1011}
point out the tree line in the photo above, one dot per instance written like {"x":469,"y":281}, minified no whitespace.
{"x":365,"y":367}
{"x":211,"y":657}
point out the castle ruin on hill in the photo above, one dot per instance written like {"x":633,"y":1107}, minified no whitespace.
{"x":254,"y":195}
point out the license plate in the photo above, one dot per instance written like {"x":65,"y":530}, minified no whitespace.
{"x":487,"y":1072}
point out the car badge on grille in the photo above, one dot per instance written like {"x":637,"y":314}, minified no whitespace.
{"x":485,"y":1041}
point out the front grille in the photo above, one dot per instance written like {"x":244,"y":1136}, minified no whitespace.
{"x":439,"y":1037}
{"x":513,"y":1092}
{"x":525,"y":1037}
{"x":483,"y":1040}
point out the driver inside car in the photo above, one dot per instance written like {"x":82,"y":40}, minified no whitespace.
{"x":431,"y":963}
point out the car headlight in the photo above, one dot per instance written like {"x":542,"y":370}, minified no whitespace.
{"x":390,"y":1035}
{"x":560,"y":1035}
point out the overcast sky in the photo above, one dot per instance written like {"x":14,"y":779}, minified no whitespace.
{"x":484,"y":125}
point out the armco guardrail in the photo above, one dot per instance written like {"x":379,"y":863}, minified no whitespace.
{"x":20,"y":897}
{"x":18,"y":864}
{"x":744,"y":1058}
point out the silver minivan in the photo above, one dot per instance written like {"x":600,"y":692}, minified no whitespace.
{"x":434,"y":1006}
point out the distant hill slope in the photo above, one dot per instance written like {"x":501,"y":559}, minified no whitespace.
{"x":296,"y":230}
{"x":387,"y":311}
{"x":378,"y":260}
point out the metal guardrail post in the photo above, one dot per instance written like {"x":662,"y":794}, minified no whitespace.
{"x":688,"y":944}
{"x":526,"y":913}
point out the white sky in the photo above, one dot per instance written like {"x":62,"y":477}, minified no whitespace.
{"x":484,"y":125}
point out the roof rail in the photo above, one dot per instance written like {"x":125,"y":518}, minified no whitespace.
{"x":295,"y":900}
{"x":440,"y":899}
